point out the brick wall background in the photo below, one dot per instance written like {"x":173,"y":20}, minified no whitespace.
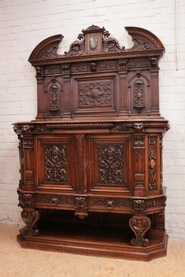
{"x":25,"y":23}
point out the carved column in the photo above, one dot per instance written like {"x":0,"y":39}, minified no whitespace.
{"x":67,"y":107}
{"x":139,"y":159}
{"x":80,"y":163}
{"x":24,"y":132}
{"x":123,"y":101}
{"x":40,"y":95}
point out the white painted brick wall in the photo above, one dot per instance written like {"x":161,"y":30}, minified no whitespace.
{"x":25,"y":23}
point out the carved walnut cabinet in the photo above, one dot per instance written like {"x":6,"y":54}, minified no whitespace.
{"x":91,"y":161}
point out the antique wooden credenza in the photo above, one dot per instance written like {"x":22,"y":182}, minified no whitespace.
{"x":91,"y":161}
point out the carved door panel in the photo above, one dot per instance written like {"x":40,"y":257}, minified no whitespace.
{"x":54,"y":157}
{"x":109,"y":164}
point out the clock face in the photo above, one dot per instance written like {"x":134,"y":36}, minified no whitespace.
{"x":93,"y":43}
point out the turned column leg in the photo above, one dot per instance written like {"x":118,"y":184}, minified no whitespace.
{"x":30,"y":217}
{"x":139,"y":225}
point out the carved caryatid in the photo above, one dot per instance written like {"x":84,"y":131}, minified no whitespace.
{"x":55,"y":163}
{"x":110,"y":164}
{"x":95,"y":94}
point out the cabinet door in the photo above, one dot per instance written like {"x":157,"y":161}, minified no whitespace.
{"x":109,"y":164}
{"x":54,"y":163}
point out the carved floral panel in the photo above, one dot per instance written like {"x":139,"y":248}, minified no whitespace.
{"x":110,"y":164}
{"x":55,"y":163}
{"x":95,"y":94}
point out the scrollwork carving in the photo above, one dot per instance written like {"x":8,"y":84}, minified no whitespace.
{"x":95,"y":94}
{"x":54,"y":200}
{"x":120,"y":127}
{"x":140,"y":225}
{"x":111,"y":44}
{"x":51,"y":53}
{"x":139,"y":95}
{"x":55,"y":163}
{"x":110,"y":164}
{"x":140,"y":44}
{"x":77,"y":47}
{"x":152,"y":163}
{"x":28,"y":143}
{"x":81,"y":207}
{"x":110,"y":202}
{"x":30,"y":217}
{"x":26,"y":200}
{"x":54,"y":94}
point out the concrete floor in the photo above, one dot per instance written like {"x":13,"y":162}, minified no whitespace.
{"x":18,"y":262}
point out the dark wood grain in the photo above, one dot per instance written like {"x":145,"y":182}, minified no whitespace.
{"x":91,"y":161}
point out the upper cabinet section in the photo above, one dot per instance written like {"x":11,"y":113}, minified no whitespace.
{"x":97,"y":79}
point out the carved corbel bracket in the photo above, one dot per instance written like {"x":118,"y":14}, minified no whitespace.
{"x":22,"y":129}
{"x":81,"y":207}
{"x":140,"y":225}
{"x":26,"y":200}
{"x":30,"y":217}
{"x":138,"y":126}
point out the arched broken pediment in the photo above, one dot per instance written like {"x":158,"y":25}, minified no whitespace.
{"x":96,"y":41}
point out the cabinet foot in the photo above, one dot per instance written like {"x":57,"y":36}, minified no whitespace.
{"x":30,"y":217}
{"x":139,"y":225}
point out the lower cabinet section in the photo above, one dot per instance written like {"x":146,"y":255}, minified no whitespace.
{"x":99,"y":234}
{"x":96,"y":191}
